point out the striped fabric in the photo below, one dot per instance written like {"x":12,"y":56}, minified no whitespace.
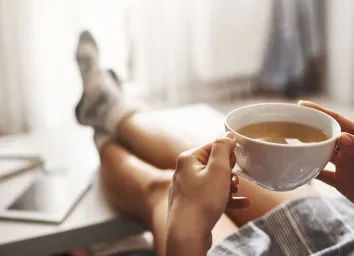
{"x":307,"y":226}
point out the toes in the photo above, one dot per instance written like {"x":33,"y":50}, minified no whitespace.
{"x":86,"y":37}
{"x":86,"y":52}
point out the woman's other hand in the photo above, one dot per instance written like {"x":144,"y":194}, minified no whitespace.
{"x":343,"y":158}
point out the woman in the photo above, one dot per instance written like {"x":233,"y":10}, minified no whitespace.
{"x":138,"y":157}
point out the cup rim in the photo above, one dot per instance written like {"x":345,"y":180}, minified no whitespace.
{"x":314,"y":144}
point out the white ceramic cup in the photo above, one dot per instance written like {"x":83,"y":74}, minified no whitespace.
{"x":281,"y":167}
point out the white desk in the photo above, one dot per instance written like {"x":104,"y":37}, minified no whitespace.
{"x":92,"y":220}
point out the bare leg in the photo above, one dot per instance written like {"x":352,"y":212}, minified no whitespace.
{"x":160,"y":147}
{"x":151,"y":141}
{"x":140,"y":190}
{"x":134,"y":186}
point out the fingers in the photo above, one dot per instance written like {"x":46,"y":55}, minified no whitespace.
{"x":198,"y":155}
{"x":327,"y":177}
{"x":345,"y":143}
{"x":238,"y":203}
{"x":335,"y":158}
{"x":345,"y":148}
{"x":185,"y":160}
{"x":346,"y":124}
{"x":233,"y":184}
{"x":345,"y":162}
{"x":234,"y":201}
{"x":220,"y":156}
{"x":342,"y":159}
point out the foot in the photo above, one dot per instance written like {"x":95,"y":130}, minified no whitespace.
{"x":102,"y":104}
{"x":87,"y":53}
{"x":99,"y":103}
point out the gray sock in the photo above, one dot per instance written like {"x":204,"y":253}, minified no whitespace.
{"x":102,"y":104}
{"x":87,"y":54}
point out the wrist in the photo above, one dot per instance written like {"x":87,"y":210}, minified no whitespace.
{"x":191,"y":215}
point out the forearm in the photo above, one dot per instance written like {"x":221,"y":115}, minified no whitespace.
{"x":186,"y":235}
{"x":186,"y":245}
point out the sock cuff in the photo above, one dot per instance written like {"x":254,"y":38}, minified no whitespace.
{"x":101,"y":138}
{"x":119,"y":112}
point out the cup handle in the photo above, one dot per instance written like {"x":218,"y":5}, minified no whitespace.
{"x":238,"y":171}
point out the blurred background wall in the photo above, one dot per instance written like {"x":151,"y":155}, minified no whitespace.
{"x":173,"y":52}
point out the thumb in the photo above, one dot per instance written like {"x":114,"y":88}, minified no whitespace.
{"x":327,"y":177}
{"x":346,"y":124}
{"x":345,"y":143}
{"x":221,"y":151}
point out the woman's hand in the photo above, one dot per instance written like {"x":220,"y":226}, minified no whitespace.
{"x":199,"y":193}
{"x":343,"y":158}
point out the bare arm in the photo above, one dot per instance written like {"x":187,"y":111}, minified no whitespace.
{"x":199,"y":193}
{"x":186,"y":235}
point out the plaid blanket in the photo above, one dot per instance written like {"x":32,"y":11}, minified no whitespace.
{"x":307,"y":226}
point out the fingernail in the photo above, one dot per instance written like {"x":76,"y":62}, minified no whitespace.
{"x":228,"y":135}
{"x":305,"y":103}
{"x":345,"y":139}
{"x":235,"y":179}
